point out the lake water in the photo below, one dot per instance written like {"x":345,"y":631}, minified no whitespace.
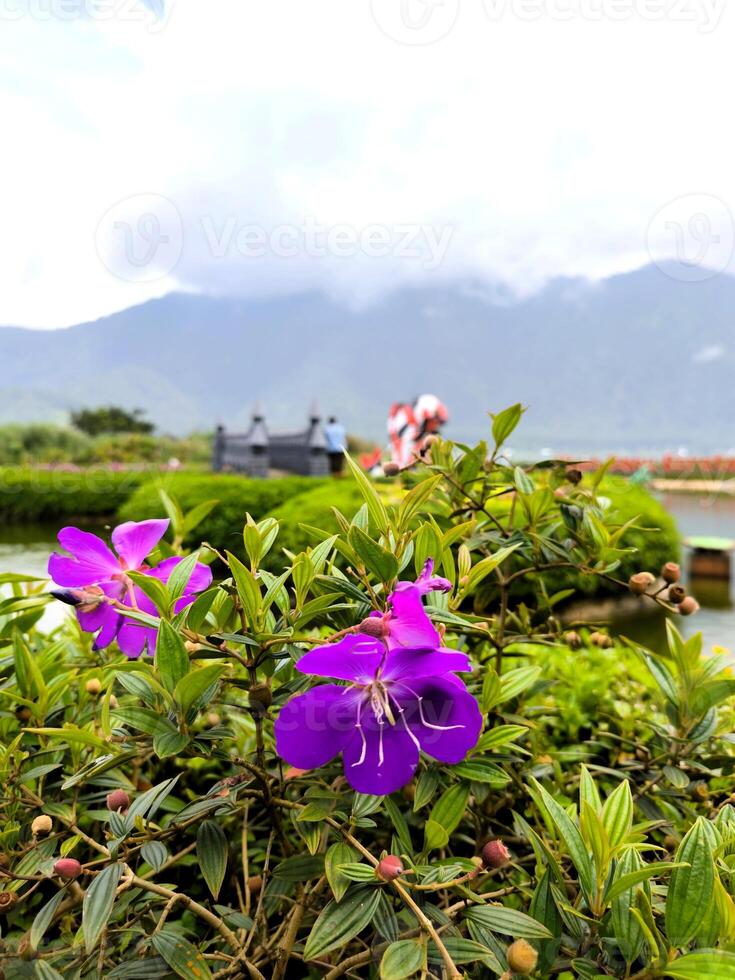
{"x":26,"y":549}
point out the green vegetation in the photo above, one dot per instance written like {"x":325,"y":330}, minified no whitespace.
{"x":111,"y":419}
{"x":32,"y":495}
{"x":236,"y":497}
{"x":151,"y":824}
{"x":47,"y":445}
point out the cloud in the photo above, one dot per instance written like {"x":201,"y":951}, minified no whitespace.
{"x":706,"y":355}
{"x":302,"y":146}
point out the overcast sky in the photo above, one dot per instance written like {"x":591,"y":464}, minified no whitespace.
{"x":260,"y":147}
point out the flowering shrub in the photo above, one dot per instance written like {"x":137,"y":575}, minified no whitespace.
{"x":207,"y":809}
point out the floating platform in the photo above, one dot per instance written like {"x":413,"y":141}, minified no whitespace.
{"x":710,"y":557}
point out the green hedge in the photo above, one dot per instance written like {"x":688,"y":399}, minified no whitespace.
{"x":33,"y":495}
{"x":237,"y":497}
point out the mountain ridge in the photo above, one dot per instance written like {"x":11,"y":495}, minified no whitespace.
{"x":642,"y":360}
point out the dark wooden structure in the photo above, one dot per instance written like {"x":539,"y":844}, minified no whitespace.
{"x":257,"y":451}
{"x":710,"y":557}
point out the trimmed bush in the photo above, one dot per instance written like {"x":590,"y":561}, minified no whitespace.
{"x":237,"y":496}
{"x":32,"y":495}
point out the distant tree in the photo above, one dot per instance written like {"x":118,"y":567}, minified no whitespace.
{"x":110,"y":418}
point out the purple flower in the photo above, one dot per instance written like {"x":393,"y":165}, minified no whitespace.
{"x":96,"y":581}
{"x":396,"y":704}
{"x":406,"y":623}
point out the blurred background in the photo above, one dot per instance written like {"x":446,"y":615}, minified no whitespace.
{"x":248,"y":219}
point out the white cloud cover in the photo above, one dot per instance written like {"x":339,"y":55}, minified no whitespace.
{"x":297,"y":145}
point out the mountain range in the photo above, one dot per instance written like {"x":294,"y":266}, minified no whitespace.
{"x":640,"y":361}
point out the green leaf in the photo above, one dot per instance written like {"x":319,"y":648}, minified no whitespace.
{"x":523,"y":482}
{"x":166,"y":744}
{"x":98,"y":902}
{"x":382,"y":563}
{"x":154,"y":589}
{"x":508,"y":922}
{"x":247,"y":589}
{"x":154,"y":853}
{"x":43,"y":919}
{"x":399,"y":823}
{"x":626,"y":927}
{"x":505,"y":422}
{"x":446,"y":815}
{"x":516,"y":681}
{"x":482,"y":771}
{"x":339,"y":923}
{"x":483,"y":568}
{"x":617,"y":814}
{"x":183,"y":958}
{"x":568,"y":832}
{"x":212,"y":854}
{"x":375,"y":506}
{"x":691,"y":890}
{"x":190,"y":688}
{"x":402,"y":959}
{"x":301,"y":867}
{"x":500,"y":735}
{"x":179,"y":577}
{"x":338,"y":854}
{"x":172,"y":660}
{"x":711,"y":964}
{"x":626,"y":882}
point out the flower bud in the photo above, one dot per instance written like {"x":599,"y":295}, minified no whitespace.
{"x":671,"y":572}
{"x":255,"y":883}
{"x":93,"y":686}
{"x":522,"y":957}
{"x":42,"y":825}
{"x":260,"y":697}
{"x":689,"y":606}
{"x":376,"y":626}
{"x":601,"y":640}
{"x":640,"y":583}
{"x":495,"y":854}
{"x":68,"y":868}
{"x":213,"y":719}
{"x":192,"y":647}
{"x":118,"y":801}
{"x":391,"y":469}
{"x":574,"y":640}
{"x":389,"y":868}
{"x":574,"y":476}
{"x":8,"y":901}
{"x":677,"y":594}
{"x":113,"y":701}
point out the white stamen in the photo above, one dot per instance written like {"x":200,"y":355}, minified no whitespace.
{"x":405,"y":724}
{"x":381,"y":757}
{"x":424,"y":722}
{"x":358,"y":726}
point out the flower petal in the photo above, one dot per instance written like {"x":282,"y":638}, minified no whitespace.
{"x":92,"y":560}
{"x":445,"y":718}
{"x":135,"y":540}
{"x":355,"y":658}
{"x":201,"y":577}
{"x":408,"y":623}
{"x":428,"y":582}
{"x":379,"y":757}
{"x":408,"y":663}
{"x":133,"y":638}
{"x":314,"y":727}
{"x":109,"y":631}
